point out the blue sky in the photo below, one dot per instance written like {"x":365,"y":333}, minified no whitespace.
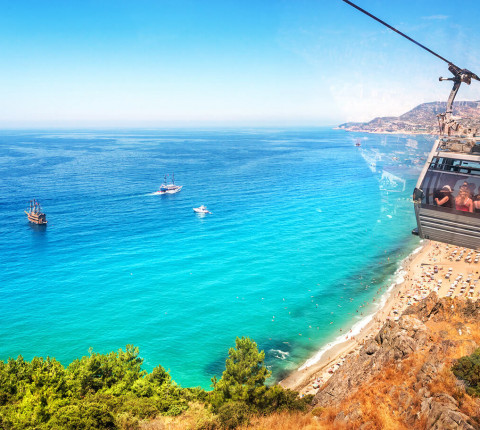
{"x":207,"y":62}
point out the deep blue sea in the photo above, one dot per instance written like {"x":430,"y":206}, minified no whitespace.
{"x":306,"y":229}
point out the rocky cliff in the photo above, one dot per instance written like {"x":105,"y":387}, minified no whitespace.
{"x":402,"y":378}
{"x":420,"y":120}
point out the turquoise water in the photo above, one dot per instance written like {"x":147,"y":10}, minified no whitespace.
{"x":305,"y":229}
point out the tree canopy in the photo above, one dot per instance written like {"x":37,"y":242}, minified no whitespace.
{"x":244,"y":377}
{"x":89,"y":394}
{"x":241,"y":391}
{"x":112,"y":391}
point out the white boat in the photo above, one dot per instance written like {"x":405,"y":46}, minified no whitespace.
{"x":167,"y":188}
{"x":202,"y":210}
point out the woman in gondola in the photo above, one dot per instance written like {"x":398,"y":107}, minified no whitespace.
{"x":463,"y":202}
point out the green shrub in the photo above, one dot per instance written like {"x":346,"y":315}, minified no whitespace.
{"x":159,"y":376}
{"x":317,"y":412}
{"x":142,"y":407}
{"x":125,"y":421}
{"x":204,"y":418}
{"x":234,"y":414}
{"x":279,"y":399}
{"x":468,"y":369}
{"x":176,"y":409}
{"x":82,"y":416}
{"x":115,"y":372}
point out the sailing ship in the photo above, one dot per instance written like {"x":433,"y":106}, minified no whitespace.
{"x":171,"y":188}
{"x":35,"y":214}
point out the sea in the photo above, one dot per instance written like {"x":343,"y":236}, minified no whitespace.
{"x":307,"y":233}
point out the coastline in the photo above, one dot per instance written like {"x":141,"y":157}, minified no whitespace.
{"x":411,"y":133}
{"x":415,"y":280}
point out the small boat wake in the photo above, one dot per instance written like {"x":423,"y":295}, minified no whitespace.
{"x":159,"y":193}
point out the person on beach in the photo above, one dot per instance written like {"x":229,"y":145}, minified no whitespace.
{"x":445,"y":198}
{"x":463,"y":202}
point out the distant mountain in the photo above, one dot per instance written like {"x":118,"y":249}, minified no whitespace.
{"x":420,"y":120}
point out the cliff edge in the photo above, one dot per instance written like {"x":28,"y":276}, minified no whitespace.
{"x":403,"y":376}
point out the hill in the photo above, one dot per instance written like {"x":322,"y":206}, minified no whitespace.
{"x":420,"y":120}
{"x":403,"y":379}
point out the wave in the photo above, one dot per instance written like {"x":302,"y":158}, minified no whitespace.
{"x":278,"y":353}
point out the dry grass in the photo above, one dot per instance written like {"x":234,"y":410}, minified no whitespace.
{"x":280,"y":421}
{"x":445,"y":382}
{"x":287,"y":421}
{"x":379,"y":399}
{"x":381,"y":405}
{"x":195,"y":418}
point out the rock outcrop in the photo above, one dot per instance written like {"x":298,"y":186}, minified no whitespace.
{"x":407,"y":367}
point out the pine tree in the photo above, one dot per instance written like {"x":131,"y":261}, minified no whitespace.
{"x":244,"y":377}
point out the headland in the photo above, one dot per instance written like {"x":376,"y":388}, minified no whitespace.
{"x":420,"y":120}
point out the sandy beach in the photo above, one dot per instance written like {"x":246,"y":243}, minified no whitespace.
{"x":448,"y":270}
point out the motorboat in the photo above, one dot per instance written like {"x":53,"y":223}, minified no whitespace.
{"x":202,"y":210}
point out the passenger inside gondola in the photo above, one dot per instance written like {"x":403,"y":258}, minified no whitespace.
{"x":469,"y":188}
{"x":444,"y":197}
{"x":457,"y":192}
{"x":463,"y":202}
{"x":476,"y":202}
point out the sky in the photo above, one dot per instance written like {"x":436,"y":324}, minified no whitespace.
{"x":162,"y":63}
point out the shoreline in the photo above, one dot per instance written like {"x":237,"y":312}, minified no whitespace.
{"x":417,"y":281}
{"x":410,"y":133}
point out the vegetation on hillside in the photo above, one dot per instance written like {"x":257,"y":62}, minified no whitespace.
{"x":468,"y":369}
{"x":110,"y":391}
{"x":418,"y":389}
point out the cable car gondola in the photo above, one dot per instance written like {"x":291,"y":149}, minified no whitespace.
{"x":452,"y":171}
{"x":446,"y":191}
